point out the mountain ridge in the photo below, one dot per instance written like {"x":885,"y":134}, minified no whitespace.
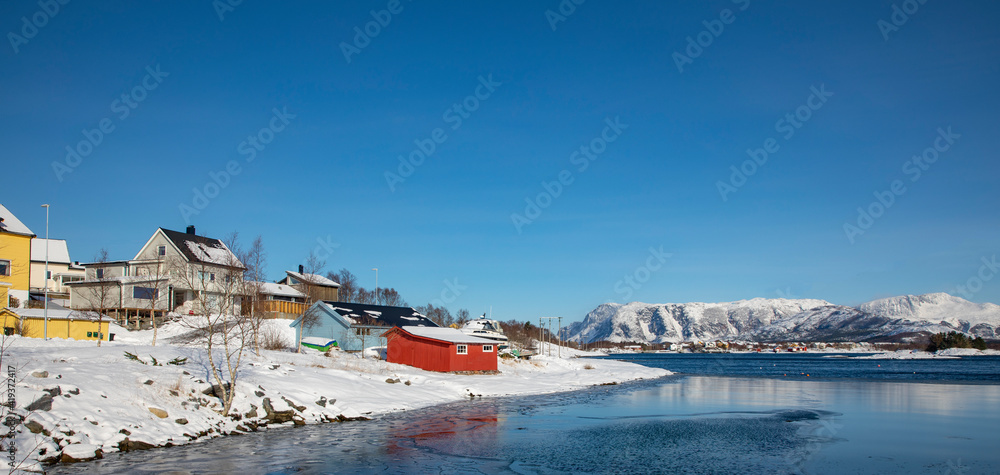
{"x":761,"y":319}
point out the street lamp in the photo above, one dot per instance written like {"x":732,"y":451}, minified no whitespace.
{"x":376,"y":284}
{"x":45,"y":313}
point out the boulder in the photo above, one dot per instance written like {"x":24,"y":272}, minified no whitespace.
{"x":81,"y":453}
{"x":159,"y":412}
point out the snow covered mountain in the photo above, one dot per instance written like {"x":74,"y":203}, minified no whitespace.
{"x":783,"y":319}
{"x":674,"y":322}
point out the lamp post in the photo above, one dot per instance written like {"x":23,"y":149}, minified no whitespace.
{"x":45,"y":312}
{"x":376,"y":284}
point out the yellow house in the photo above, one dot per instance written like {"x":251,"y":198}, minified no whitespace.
{"x":15,"y":259}
{"x":30,"y":322}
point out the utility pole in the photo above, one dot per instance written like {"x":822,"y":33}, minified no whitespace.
{"x":550,"y":332}
{"x":45,"y":330}
{"x":376,"y":284}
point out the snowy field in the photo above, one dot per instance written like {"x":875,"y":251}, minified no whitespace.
{"x":86,"y":400}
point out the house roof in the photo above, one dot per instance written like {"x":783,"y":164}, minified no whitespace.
{"x":270,"y":288}
{"x":124,"y":279}
{"x":201,"y":249}
{"x":314,"y":279}
{"x":450,"y":335}
{"x":58,"y":250}
{"x":10,"y":223}
{"x":379,"y":315}
{"x":55,"y":314}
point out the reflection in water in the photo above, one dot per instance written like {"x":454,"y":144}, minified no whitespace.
{"x":697,"y":424}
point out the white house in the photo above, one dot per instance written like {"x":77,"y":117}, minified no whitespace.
{"x":173,"y":271}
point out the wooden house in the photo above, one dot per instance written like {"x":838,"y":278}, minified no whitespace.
{"x":15,"y":258}
{"x":440,"y":349}
{"x":62,"y":323}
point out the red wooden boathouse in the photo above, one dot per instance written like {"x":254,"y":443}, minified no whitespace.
{"x":440,"y":349}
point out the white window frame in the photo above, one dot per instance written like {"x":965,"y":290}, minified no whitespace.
{"x":161,"y":250}
{"x":487,"y":348}
{"x":462,"y":349}
{"x":7,"y":268}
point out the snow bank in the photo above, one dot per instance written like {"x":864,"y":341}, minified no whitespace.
{"x":86,"y":400}
{"x":951,"y":353}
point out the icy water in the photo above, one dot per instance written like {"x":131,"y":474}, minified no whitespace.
{"x":725,"y":414}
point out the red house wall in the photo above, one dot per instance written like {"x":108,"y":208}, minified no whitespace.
{"x":436,"y":355}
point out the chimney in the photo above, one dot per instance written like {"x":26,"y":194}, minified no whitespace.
{"x":190,"y":230}
{"x":302,"y":270}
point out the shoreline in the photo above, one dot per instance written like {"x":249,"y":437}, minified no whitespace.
{"x":87,"y":401}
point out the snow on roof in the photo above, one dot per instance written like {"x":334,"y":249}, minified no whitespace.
{"x":58,"y":250}
{"x":314,"y":279}
{"x":55,"y":314}
{"x":125,"y":279}
{"x":451,"y":335}
{"x":211,"y":254}
{"x":202,"y":249}
{"x":373,"y":313}
{"x":271,"y":288}
{"x":11,"y":224}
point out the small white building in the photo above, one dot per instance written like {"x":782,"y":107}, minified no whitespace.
{"x":62,"y":270}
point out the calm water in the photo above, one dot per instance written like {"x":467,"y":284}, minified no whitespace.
{"x":726,"y":414}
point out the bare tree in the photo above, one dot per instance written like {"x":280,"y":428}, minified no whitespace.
{"x":392,"y":298}
{"x":461,"y":316}
{"x":217,"y":291}
{"x":103,"y":294}
{"x":439,"y":315}
{"x":348,"y":291}
{"x":255,"y":260}
{"x":156,"y":269}
{"x":310,"y":286}
{"x":365,"y":296}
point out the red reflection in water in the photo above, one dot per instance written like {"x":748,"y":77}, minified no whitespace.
{"x":478,"y":425}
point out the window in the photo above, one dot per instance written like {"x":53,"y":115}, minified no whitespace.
{"x":4,"y":267}
{"x":145,"y":293}
{"x":8,"y":331}
{"x":48,"y":275}
{"x":487,"y":348}
{"x":462,"y":349}
{"x":211,"y":277}
{"x":161,"y":251}
{"x":100,"y":273}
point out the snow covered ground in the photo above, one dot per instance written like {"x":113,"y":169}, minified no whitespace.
{"x":951,"y":353}
{"x":80,"y":401}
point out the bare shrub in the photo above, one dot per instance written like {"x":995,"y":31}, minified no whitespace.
{"x":271,"y":339}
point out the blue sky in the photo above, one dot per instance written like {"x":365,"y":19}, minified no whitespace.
{"x":335,"y":127}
